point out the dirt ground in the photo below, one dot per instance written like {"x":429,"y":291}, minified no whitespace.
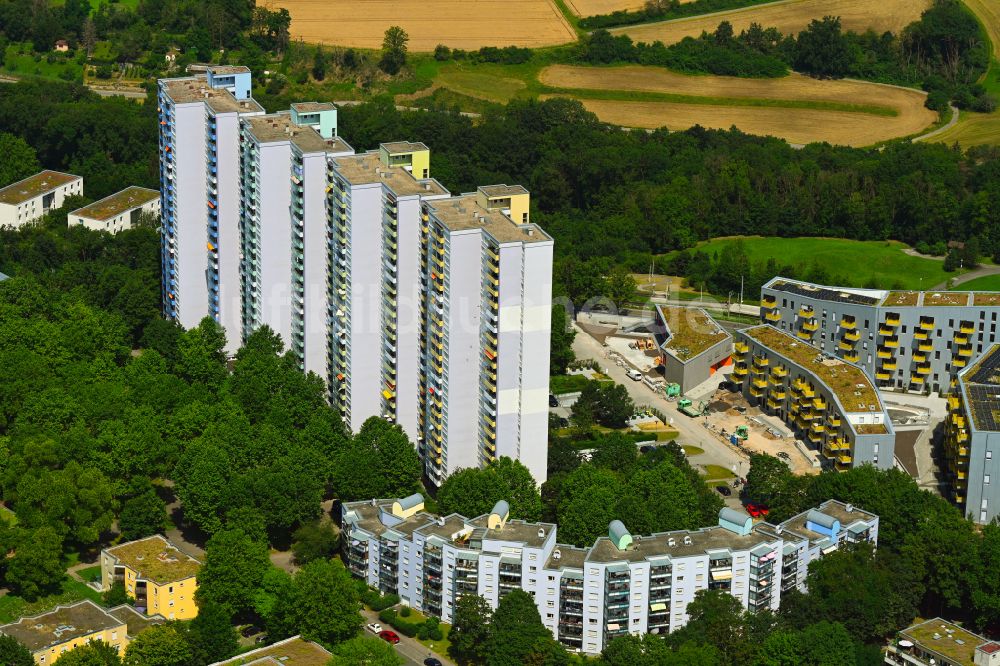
{"x":760,"y":440}
{"x":595,"y":7}
{"x":789,"y":17}
{"x":464,"y":25}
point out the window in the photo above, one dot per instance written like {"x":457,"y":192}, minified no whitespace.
{"x":986,"y":479}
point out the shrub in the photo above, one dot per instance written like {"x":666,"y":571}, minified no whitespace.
{"x":404,"y":611}
{"x":442,"y":52}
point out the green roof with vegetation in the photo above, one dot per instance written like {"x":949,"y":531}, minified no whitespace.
{"x":34,"y":186}
{"x":156,"y":559}
{"x":118,"y":203}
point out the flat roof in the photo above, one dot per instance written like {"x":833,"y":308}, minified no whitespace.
{"x":947,"y":639}
{"x":946,"y":298}
{"x":367,"y":168}
{"x":118,"y":203}
{"x":196,"y":89}
{"x":396,"y":147}
{"x":827,"y":293}
{"x":658,"y":545}
{"x":61,"y":624}
{"x":516,"y":531}
{"x":986,"y":298}
{"x":313,"y":107}
{"x":497,"y":191}
{"x":848,"y":382}
{"x":135,"y":622}
{"x":41,"y":183}
{"x":156,"y":559}
{"x":901,"y":298}
{"x":279,"y":127}
{"x":797,"y":523}
{"x":691,"y":331}
{"x":228,"y":69}
{"x":295,"y":651}
{"x":368,"y":518}
{"x":981,"y":384}
{"x":570,"y":557}
{"x":463,"y":213}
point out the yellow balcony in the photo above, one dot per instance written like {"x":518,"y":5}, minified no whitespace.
{"x":761,"y":361}
{"x":927,"y":323}
{"x":848,"y":324}
{"x":891,"y":343}
{"x":923,"y":369}
{"x":815,"y":437}
{"x":758,"y":372}
{"x":807,"y":312}
{"x":965,"y":352}
{"x":886,"y":330}
{"x":769,"y":301}
{"x":919,"y":357}
{"x":892,"y":320}
{"x":926,"y":346}
{"x":852,"y":336}
{"x":760,"y":383}
{"x":779,"y":371}
{"x":772,"y":403}
{"x":810,"y":325}
{"x":817,"y":426}
{"x":953,"y":403}
{"x":967,"y":327}
{"x":775,"y":381}
{"x":883,"y":375}
{"x":889,"y":364}
{"x":853,"y":356}
{"x":741,"y":348}
{"x":803,"y":335}
{"x":961,"y":436}
{"x":845,"y":346}
{"x":960,"y":475}
{"x":884,"y":353}
{"x":740,"y":371}
{"x":958,"y":362}
{"x":916,"y":379}
{"x":756,"y":392}
{"x":833,"y":420}
{"x":958,"y":420}
{"x":920,"y":335}
{"x":794,"y":409}
{"x":961,"y":339}
{"x":804,"y":389}
{"x":772,"y":315}
{"x":778,"y":393}
{"x":819,"y":404}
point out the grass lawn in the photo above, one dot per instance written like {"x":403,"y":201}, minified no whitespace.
{"x":559,"y":384}
{"x":90,"y":574}
{"x":441,"y":646}
{"x":8,"y":516}
{"x":849,"y":263}
{"x":692,"y":450}
{"x":12,"y":607}
{"x":17,"y":62}
{"x":718,"y":473}
{"x":985,"y":283}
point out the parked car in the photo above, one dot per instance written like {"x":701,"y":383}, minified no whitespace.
{"x":431,"y":661}
{"x":752,"y":510}
{"x":375,"y":627}
{"x":389,"y":636}
{"x":634,"y":375}
{"x":553,"y":401}
{"x":250,"y":630}
{"x":563,"y":422}
{"x":725,"y":491}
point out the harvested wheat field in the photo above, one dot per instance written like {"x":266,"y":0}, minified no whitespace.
{"x":595,"y":7}
{"x":796,"y":125}
{"x":788,"y":16}
{"x":464,"y":25}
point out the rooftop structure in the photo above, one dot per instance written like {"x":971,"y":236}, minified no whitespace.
{"x":941,"y":642}
{"x":196,"y":89}
{"x":156,"y":559}
{"x":853,"y":389}
{"x":982,"y":388}
{"x":832,"y":294}
{"x":280,"y":127}
{"x":35,"y":186}
{"x":369,"y":168}
{"x":463,"y":213}
{"x":118,"y":203}
{"x":294,"y":651}
{"x":688,"y":331}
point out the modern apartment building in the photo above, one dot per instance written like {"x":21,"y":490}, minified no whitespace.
{"x":283,"y":227}
{"x":622,"y":584}
{"x":51,"y":634}
{"x":27,"y":200}
{"x":160,"y":578}
{"x":118,"y":212}
{"x":827,"y":401}
{"x":939,"y":642}
{"x":912,"y":340}
{"x":200,"y":195}
{"x":691,"y":346}
{"x":972,"y":438}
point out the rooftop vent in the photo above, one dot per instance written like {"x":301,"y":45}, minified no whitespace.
{"x":687,"y":541}
{"x":556,"y":554}
{"x":671,"y":542}
{"x":541,"y":532}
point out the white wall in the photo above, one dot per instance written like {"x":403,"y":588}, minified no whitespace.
{"x":192,"y":217}
{"x":316,"y":248}
{"x":535,"y":341}
{"x":276,"y":238}
{"x":16,"y":215}
{"x":227,"y":146}
{"x":114,"y":224}
{"x":408,"y":298}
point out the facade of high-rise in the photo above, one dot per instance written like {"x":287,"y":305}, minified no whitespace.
{"x":828,"y":402}
{"x":972,"y":439}
{"x":428,"y":309}
{"x":911,"y":340}
{"x":622,"y":584}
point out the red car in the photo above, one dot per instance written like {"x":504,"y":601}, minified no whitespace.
{"x":389,"y":636}
{"x":756,"y":510}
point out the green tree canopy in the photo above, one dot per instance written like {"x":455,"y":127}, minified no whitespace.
{"x":470,"y":630}
{"x":364,"y":650}
{"x":160,"y":645}
{"x":233,"y":570}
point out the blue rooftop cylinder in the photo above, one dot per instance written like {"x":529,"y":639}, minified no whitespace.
{"x":619,"y":535}
{"x":821,"y":523}
{"x":735,"y":521}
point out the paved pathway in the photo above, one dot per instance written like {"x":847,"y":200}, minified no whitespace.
{"x":947,"y":126}
{"x":982,"y":271}
{"x":410,"y":649}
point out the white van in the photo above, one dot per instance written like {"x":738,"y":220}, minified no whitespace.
{"x":634,"y":375}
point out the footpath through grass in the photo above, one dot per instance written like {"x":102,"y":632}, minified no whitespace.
{"x":985,"y":283}
{"x":849,"y":263}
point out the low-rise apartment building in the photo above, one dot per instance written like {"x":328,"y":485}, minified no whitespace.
{"x":691,"y":345}
{"x":27,"y":200}
{"x":912,"y":340}
{"x":622,"y":584}
{"x":294,"y":651}
{"x":972,"y":439}
{"x":828,"y":401}
{"x":51,"y":634}
{"x":160,"y":578}
{"x":118,"y":212}
{"x":939,"y":642}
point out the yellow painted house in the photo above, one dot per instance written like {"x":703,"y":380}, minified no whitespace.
{"x":160,"y":578}
{"x":49,"y":635}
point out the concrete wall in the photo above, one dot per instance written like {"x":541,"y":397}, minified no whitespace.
{"x":16,"y":215}
{"x":314,"y":324}
{"x":408,"y":298}
{"x":275,"y":239}
{"x":191,"y":220}
{"x":534,"y":365}
{"x":114,"y":224}
{"x":982,"y":503}
{"x":227,"y":175}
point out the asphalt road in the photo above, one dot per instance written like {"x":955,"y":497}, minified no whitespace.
{"x":410,"y":649}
